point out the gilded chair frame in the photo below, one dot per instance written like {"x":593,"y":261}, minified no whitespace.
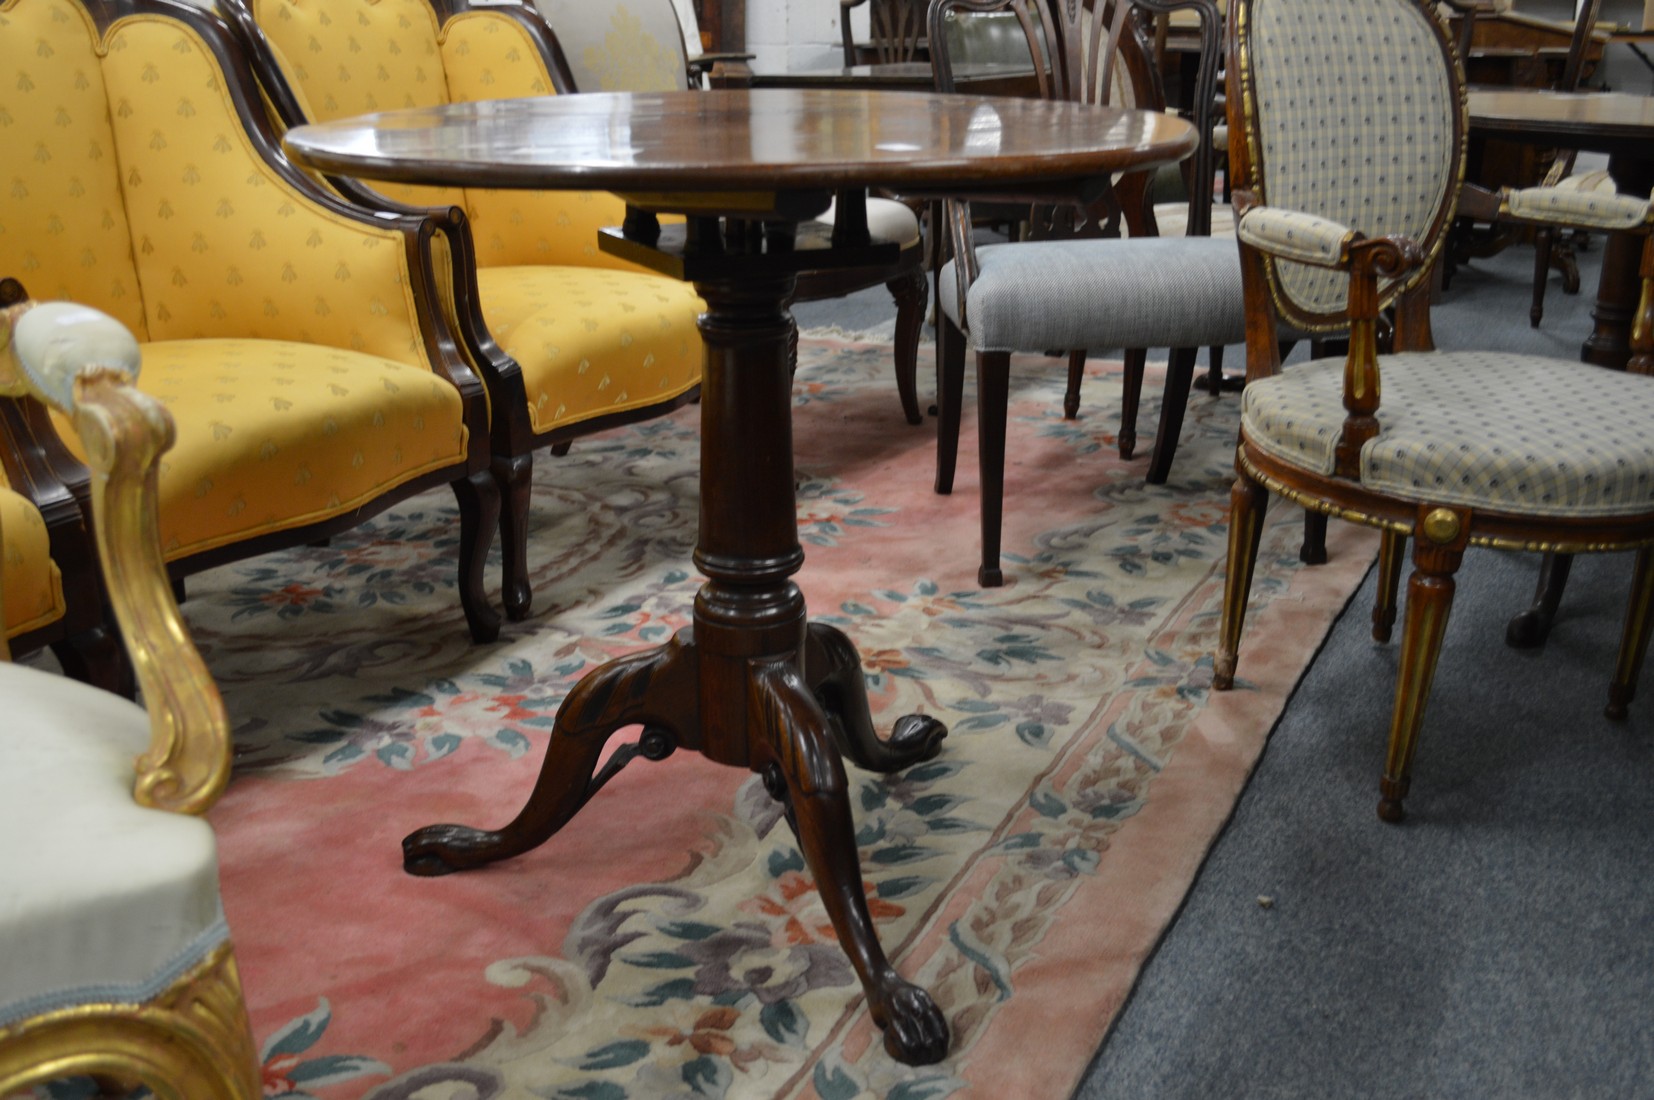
{"x":1395,"y":272}
{"x":431,"y":280}
{"x":193,"y":1038}
{"x":512,"y":437}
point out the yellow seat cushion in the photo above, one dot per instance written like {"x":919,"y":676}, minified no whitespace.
{"x":593,"y":341}
{"x":30,"y":582}
{"x":274,"y":435}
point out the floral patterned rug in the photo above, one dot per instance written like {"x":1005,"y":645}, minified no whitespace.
{"x":669,"y":943}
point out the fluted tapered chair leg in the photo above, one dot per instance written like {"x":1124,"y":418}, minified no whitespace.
{"x":1392,"y":550}
{"x":1247,"y":503}
{"x":1130,"y":398}
{"x":993,"y":377}
{"x":1429,"y":600}
{"x":950,"y":387}
{"x":1639,"y":622}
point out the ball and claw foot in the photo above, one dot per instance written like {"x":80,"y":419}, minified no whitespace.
{"x":917,"y":737}
{"x":443,"y":849}
{"x":915,"y":1031}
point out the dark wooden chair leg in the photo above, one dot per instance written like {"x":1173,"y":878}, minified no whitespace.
{"x":1180,"y":373}
{"x":1429,"y":600}
{"x":1130,"y":398}
{"x":950,"y":387}
{"x":479,"y":516}
{"x":1248,"y":502}
{"x":97,"y":657}
{"x":1392,"y":550}
{"x":1639,"y":622}
{"x":1076,"y":375}
{"x":1529,"y":629}
{"x":912,"y":293}
{"x":993,"y":378}
{"x":1313,"y":550}
{"x":514,"y":475}
{"x":1542,"y":242}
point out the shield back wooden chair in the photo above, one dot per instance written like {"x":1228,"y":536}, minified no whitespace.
{"x":1084,"y":294}
{"x":1347,"y":126}
{"x":300,"y":344}
{"x":570,"y":340}
{"x":895,"y":32}
{"x":118,"y":960}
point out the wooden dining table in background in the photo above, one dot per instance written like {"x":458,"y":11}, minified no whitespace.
{"x":752,"y":682}
{"x":1616,"y":123}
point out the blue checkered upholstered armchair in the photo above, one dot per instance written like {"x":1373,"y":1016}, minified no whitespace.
{"x":1347,"y":123}
{"x":1076,"y":289}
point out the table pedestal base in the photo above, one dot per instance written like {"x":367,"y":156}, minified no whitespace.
{"x":752,"y":683}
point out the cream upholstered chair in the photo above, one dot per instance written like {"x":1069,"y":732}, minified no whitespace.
{"x":1347,"y":126}
{"x":632,"y":46}
{"x":300,"y":344}
{"x":1084,"y":294}
{"x":569,"y":339}
{"x":118,"y":962}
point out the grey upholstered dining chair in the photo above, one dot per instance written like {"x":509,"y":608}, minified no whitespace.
{"x":1093,"y":293}
{"x":1347,"y":124}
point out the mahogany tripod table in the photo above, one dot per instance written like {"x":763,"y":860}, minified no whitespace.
{"x":752,"y":683}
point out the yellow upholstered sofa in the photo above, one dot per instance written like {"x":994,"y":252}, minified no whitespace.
{"x":569,"y":339}
{"x":300,"y":344}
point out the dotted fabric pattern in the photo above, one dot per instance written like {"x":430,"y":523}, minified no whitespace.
{"x":1580,"y":206}
{"x":1295,"y":235}
{"x":1355,"y":113}
{"x":1512,"y":433}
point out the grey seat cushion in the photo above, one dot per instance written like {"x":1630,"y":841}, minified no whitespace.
{"x":1103,"y":295}
{"x":1514,"y":433}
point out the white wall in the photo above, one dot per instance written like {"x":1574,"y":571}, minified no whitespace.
{"x":795,"y":34}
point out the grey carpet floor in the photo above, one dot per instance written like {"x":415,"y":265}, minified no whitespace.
{"x":1500,"y":944}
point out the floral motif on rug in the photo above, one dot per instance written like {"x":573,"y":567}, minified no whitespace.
{"x":670,"y":942}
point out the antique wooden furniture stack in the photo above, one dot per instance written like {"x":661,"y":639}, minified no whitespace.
{"x":1097,"y":294}
{"x":118,"y":962}
{"x":301,"y":344}
{"x":1450,"y":450}
{"x":568,"y":341}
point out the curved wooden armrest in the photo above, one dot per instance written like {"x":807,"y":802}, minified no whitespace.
{"x":83,"y":363}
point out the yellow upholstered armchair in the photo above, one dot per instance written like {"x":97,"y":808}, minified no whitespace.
{"x":118,"y":962}
{"x":48,"y":566}
{"x":569,"y":340}
{"x":299,"y":343}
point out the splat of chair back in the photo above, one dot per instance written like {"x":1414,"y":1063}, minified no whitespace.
{"x":896,"y":32}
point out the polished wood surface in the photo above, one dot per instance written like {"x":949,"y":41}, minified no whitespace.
{"x":1602,"y":122}
{"x":752,"y":683}
{"x":906,"y":76}
{"x":1615,"y":123}
{"x":737,"y":140}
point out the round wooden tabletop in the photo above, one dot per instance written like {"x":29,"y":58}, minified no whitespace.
{"x":1616,"y":123}
{"x":746,"y":140}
